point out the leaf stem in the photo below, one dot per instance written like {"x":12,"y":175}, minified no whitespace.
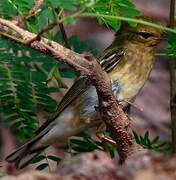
{"x":140,"y":21}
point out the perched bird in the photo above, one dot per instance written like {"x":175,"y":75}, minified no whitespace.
{"x":128,"y":61}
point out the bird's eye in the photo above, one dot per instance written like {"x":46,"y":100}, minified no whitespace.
{"x":145,"y":35}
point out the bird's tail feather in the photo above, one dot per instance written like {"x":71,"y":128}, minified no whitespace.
{"x":23,"y":156}
{"x":26,"y":153}
{"x":16,"y":154}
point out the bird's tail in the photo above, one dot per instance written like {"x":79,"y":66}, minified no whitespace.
{"x":23,"y":155}
{"x":27,"y":152}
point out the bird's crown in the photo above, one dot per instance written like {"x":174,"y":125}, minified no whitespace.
{"x":140,"y":34}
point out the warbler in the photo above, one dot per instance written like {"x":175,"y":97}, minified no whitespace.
{"x":128,"y":61}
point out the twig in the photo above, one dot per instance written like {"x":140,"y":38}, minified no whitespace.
{"x":58,"y":15}
{"x":37,"y":37}
{"x":173,"y":81}
{"x":126,"y":19}
{"x":64,"y":36}
{"x":20,"y":20}
{"x":52,"y":25}
{"x":110,"y":111}
{"x":36,"y":9}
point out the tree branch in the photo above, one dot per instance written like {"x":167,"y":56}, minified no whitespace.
{"x":36,"y":9}
{"x":111,"y":112}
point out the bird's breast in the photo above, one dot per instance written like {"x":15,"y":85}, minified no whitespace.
{"x":128,"y":77}
{"x":88,"y":101}
{"x":133,"y":71}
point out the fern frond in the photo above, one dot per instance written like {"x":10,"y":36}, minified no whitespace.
{"x":22,"y":89}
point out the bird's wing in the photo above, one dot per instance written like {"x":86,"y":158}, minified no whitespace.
{"x":80,"y":86}
{"x":108,"y":61}
{"x":110,"y":58}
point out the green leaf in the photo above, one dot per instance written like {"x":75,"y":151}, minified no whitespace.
{"x":55,"y":158}
{"x":112,"y":150}
{"x":45,"y":17}
{"x":38,"y":159}
{"x":55,"y":74}
{"x":21,"y":94}
{"x":81,"y":46}
{"x":22,"y":6}
{"x":171,"y":46}
{"x":155,"y":140}
{"x":85,"y":145}
{"x":71,"y":20}
{"x":6,"y":7}
{"x":42,"y":166}
{"x":114,"y":8}
{"x":67,"y":5}
{"x":146,"y":136}
{"x":136,"y":137}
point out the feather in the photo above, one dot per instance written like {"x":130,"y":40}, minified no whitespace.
{"x":108,"y":60}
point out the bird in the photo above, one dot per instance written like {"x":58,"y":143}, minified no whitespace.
{"x":128,"y":62}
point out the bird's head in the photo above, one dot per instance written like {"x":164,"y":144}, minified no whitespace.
{"x":141,"y":34}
